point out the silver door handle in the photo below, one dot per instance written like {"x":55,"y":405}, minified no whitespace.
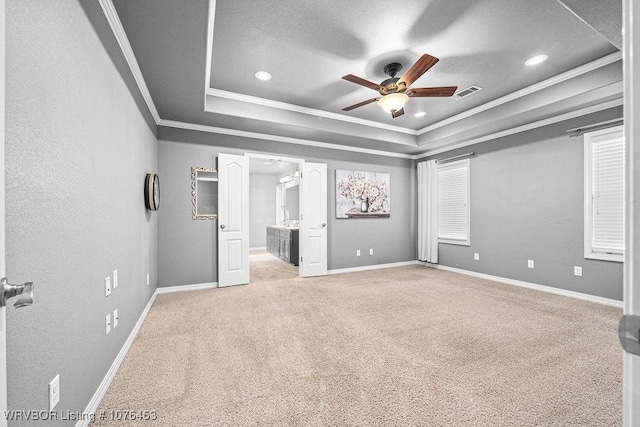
{"x":8,"y":290}
{"x":324,"y":224}
{"x":629,"y":333}
{"x":222,"y":226}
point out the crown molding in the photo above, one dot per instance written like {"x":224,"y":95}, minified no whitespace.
{"x":118,"y":31}
{"x":304,"y":110}
{"x":279,"y":138}
{"x":277,"y":104}
{"x":594,"y":65}
{"x":123,"y":41}
{"x":529,"y":126}
{"x":211,"y":17}
{"x":583,"y":69}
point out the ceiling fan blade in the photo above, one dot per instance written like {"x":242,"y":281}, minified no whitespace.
{"x":445,"y":91}
{"x":362,"y":82}
{"x":398,"y":113}
{"x":421,"y":66}
{"x":360,"y":104}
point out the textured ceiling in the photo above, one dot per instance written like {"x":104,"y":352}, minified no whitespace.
{"x":604,"y":16}
{"x":273,"y":167}
{"x":309,"y":45}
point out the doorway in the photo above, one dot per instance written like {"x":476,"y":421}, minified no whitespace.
{"x":274,"y":206}
{"x":234,"y":224}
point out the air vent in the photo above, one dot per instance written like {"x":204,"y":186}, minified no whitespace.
{"x":466,"y":92}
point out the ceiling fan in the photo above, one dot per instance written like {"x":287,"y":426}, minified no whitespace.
{"x":395,"y":92}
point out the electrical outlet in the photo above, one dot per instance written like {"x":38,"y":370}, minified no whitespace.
{"x":358,"y":252}
{"x":107,"y":323}
{"x":530,"y":263}
{"x":370,"y":251}
{"x":107,"y":286}
{"x":115,"y":279}
{"x":476,"y":256}
{"x":54,"y":392}
{"x":577,"y":271}
{"x":115,"y":318}
{"x":147,"y":279}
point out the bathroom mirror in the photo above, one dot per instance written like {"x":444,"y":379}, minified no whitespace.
{"x":204,"y":193}
{"x":292,"y":201}
{"x":288,"y":200}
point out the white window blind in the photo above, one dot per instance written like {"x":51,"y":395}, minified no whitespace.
{"x":453,"y":202}
{"x":604,"y":194}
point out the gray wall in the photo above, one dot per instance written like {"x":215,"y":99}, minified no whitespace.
{"x":78,"y":147}
{"x":262,"y":211}
{"x":527,"y":202}
{"x":187,"y":251}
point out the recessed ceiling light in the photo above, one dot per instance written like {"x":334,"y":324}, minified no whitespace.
{"x":263,"y":75}
{"x":535,"y":60}
{"x":420,"y":114}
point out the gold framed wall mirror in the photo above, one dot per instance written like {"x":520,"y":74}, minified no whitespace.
{"x":204,"y":193}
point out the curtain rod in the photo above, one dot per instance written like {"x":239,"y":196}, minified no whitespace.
{"x":451,"y":159}
{"x":596,"y":126}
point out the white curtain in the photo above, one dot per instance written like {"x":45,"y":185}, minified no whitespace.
{"x":428,"y":211}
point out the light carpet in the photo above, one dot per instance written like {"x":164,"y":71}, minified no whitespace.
{"x":265,"y":267}
{"x":410,"y":346}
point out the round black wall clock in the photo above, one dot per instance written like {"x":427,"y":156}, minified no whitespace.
{"x":152,"y":192}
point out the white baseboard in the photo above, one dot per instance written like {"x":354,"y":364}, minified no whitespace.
{"x":106,"y":382}
{"x":111,"y":373}
{"x":535,"y":286}
{"x":183,"y":288}
{"x":370,"y":267}
{"x":258,"y":249}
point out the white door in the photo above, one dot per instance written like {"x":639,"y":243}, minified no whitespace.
{"x":233,"y":220}
{"x":3,"y":311}
{"x":313,"y":224}
{"x":632,"y":256}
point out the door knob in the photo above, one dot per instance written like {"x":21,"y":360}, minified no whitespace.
{"x":324,"y":224}
{"x":8,"y":290}
{"x":222,"y":226}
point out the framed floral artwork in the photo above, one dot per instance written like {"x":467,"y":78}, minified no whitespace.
{"x":362,"y":194}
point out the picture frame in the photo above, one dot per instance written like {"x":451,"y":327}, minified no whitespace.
{"x":361,"y":194}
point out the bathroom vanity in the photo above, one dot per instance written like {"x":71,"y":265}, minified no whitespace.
{"x":283,"y":243}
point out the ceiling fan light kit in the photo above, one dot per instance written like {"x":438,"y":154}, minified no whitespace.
{"x":393,"y":102}
{"x":395,"y":91}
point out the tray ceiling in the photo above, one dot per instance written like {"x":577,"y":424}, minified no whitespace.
{"x":198,"y":59}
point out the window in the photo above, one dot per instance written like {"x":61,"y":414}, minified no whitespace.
{"x":604,"y":194}
{"x":453,"y":203}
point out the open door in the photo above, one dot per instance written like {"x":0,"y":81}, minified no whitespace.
{"x":233,"y":220}
{"x":631,"y":62}
{"x":313,"y":224}
{"x":3,"y":310}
